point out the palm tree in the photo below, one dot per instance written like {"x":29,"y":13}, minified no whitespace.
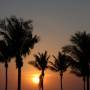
{"x":79,"y":50}
{"x":60,"y":64}
{"x":41,"y":63}
{"x":4,"y":48}
{"x":1,"y":55}
{"x":22,"y":41}
{"x":6,"y":59}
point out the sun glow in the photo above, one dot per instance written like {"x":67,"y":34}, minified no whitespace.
{"x":35,"y":79}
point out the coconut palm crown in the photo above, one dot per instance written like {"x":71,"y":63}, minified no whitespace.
{"x":60,"y":63}
{"x":79,"y":50}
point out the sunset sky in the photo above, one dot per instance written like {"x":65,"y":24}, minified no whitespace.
{"x":54,"y":21}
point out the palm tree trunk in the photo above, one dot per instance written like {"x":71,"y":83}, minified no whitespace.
{"x":87,"y":82}
{"x":6,"y":66}
{"x":61,"y":75}
{"x":19,"y":78}
{"x":19,"y":65}
{"x":83,"y":83}
{"x":88,"y":78}
{"x":42,"y":85}
{"x":42,"y":80}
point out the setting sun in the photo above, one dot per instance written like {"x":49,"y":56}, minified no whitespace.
{"x":35,"y":79}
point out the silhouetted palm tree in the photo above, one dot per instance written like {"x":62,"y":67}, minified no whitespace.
{"x":22,"y":41}
{"x":6,"y":60}
{"x":4,"y":48}
{"x":79,"y":50}
{"x":41,"y":63}
{"x":1,"y":55}
{"x":60,"y":64}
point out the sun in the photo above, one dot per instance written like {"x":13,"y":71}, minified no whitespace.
{"x":35,"y":79}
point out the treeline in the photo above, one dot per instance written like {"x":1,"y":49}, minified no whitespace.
{"x":17,"y":40}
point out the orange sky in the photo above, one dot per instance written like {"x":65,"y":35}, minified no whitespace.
{"x":54,"y":21}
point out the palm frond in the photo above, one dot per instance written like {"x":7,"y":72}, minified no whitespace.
{"x":76,"y":73}
{"x":60,"y":63}
{"x":35,"y":64}
{"x":52,"y":66}
{"x":79,"y":50}
{"x":41,"y":60}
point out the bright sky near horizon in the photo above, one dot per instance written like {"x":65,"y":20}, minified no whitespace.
{"x":54,"y":21}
